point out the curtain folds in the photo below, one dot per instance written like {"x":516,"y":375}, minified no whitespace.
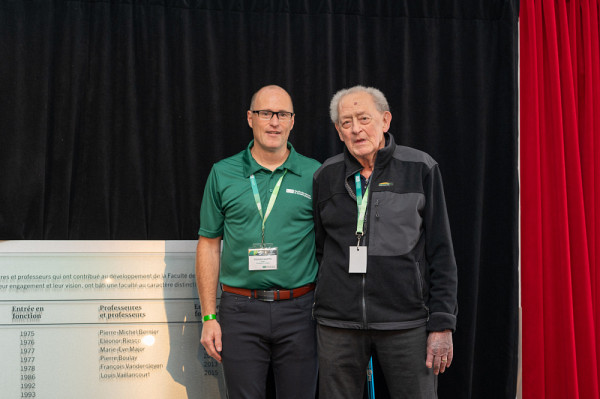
{"x":560,"y":155}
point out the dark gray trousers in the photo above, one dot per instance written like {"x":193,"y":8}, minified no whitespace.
{"x":256,"y":334}
{"x":344,"y":356}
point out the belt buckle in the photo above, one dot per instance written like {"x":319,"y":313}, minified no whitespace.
{"x":265,"y":295}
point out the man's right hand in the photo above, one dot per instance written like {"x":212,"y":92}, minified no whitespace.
{"x":211,"y":339}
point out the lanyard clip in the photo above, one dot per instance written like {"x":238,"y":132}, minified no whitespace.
{"x":358,"y":236}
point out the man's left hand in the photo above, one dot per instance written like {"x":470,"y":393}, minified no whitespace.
{"x":439,"y":351}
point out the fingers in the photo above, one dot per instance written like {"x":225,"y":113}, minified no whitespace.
{"x":429,"y":360}
{"x":443,"y":364}
{"x":450,"y":356}
{"x":211,"y":339}
{"x":439,"y":363}
{"x":217,"y":347}
{"x":434,"y":360}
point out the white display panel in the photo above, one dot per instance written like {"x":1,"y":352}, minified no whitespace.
{"x":102,"y":319}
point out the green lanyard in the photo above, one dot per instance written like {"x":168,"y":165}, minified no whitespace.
{"x":361,"y":204}
{"x":271,"y":201}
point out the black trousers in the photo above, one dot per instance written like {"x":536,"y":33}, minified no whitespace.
{"x":344,"y":356}
{"x":257,"y":334}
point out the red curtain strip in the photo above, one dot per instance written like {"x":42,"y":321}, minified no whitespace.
{"x":560,"y":155}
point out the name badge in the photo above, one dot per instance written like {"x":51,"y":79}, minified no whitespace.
{"x":358,"y":259}
{"x":262,"y":257}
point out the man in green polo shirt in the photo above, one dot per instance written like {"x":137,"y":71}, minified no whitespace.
{"x":259,"y":203}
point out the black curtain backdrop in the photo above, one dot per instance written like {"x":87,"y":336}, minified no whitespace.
{"x":113,"y":112}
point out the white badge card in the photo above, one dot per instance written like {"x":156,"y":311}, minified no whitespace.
{"x":358,"y":259}
{"x":262,"y":257}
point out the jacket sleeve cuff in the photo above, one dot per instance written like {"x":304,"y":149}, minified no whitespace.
{"x":439,"y":321}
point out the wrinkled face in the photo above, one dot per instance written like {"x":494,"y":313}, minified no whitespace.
{"x":271,"y":135}
{"x":361,"y":125}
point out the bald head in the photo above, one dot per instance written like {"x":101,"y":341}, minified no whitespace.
{"x":269,"y":90}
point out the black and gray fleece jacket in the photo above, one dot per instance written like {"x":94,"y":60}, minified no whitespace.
{"x":411,"y":271}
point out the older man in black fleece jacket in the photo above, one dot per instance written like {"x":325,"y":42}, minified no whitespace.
{"x":387,"y":275}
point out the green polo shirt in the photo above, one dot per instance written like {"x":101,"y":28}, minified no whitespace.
{"x":229,"y":211}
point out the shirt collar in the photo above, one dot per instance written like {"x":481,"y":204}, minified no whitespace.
{"x":291,"y":163}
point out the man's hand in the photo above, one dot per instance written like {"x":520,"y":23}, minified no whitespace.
{"x":439,"y":351}
{"x":211,"y":339}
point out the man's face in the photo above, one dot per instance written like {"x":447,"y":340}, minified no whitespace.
{"x":361,"y":125}
{"x":271,"y":135}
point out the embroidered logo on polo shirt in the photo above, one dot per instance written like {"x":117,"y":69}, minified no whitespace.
{"x":385,"y":184}
{"x":292,"y":191}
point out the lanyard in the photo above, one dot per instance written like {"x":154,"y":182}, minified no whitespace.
{"x":271,"y":201}
{"x":361,"y":203}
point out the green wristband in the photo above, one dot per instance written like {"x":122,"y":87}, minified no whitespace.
{"x":209,"y":317}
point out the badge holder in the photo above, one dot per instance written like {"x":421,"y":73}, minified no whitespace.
{"x":358,"y":257}
{"x":262,"y":256}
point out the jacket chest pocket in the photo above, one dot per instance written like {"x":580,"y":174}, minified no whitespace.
{"x":395,"y":222}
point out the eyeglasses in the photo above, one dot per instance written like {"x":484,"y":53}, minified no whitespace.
{"x":363,"y":120}
{"x":266,"y":115}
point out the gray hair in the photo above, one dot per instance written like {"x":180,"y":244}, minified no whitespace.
{"x":378,"y":98}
